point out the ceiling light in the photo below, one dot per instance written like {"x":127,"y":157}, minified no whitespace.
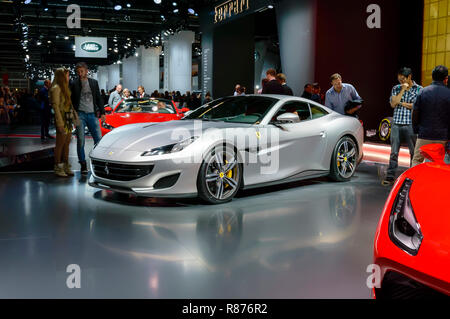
{"x":174,"y":4}
{"x":270,"y":6}
{"x":191,"y":11}
{"x":27,"y":1}
{"x":66,"y":38}
{"x":128,"y":5}
{"x":117,"y":7}
{"x":157,"y":1}
{"x":175,"y":11}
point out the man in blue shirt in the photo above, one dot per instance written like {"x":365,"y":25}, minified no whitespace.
{"x":340,"y":94}
{"x":431,"y":115}
{"x":402,"y":98}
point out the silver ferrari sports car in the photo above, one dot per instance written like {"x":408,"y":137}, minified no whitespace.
{"x":226,"y":145}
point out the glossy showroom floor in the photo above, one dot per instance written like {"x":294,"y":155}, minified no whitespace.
{"x":304,"y":240}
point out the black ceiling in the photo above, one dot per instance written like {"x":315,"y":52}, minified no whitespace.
{"x":131,"y":26}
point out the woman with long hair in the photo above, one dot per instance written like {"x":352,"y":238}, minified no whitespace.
{"x":64,"y":118}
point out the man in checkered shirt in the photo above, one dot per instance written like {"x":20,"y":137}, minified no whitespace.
{"x":402,"y":99}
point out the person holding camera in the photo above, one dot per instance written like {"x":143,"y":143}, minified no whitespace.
{"x":402,"y":99}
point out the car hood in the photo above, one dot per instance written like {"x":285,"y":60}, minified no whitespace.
{"x":119,"y":119}
{"x":144,"y":136}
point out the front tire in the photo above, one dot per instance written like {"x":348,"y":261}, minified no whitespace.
{"x":344,"y":160}
{"x":220,"y":175}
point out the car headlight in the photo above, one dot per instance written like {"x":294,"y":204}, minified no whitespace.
{"x":172,"y":148}
{"x":404,"y":230}
{"x":107,"y":126}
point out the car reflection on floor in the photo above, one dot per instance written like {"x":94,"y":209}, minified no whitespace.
{"x":224,"y":237}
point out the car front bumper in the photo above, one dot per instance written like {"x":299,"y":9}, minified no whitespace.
{"x":185,"y":185}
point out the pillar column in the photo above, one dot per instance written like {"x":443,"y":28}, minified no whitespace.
{"x":102,"y":77}
{"x":178,"y":61}
{"x":130,"y":73}
{"x":149,"y":69}
{"x":296,"y":35}
{"x":113,"y":76}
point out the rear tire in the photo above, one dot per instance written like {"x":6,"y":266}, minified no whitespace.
{"x":344,"y":160}
{"x":220,"y":175}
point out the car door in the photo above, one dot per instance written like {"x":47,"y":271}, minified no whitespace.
{"x":296,"y":149}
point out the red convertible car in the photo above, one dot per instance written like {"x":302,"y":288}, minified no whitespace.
{"x":141,"y":110}
{"x":412,"y":242}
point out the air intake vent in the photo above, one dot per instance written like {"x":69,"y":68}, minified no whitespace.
{"x":166,"y":182}
{"x":120,"y":172}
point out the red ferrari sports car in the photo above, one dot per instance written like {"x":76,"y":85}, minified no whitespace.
{"x":141,"y":110}
{"x":412,"y":242}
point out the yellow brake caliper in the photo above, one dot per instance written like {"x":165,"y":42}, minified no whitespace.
{"x":339,"y":163}
{"x":229,"y":174}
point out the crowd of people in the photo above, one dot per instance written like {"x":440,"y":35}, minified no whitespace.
{"x":336,"y":98}
{"x":15,"y":105}
{"x":189,"y":100}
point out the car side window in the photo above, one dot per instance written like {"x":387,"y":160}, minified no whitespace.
{"x":317,"y":111}
{"x":299,"y":108}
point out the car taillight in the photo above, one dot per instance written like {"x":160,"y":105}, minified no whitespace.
{"x":404,"y":230}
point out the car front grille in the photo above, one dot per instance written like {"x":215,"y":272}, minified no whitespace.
{"x":398,"y":286}
{"x":120,"y":172}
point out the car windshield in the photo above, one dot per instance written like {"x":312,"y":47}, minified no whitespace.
{"x":239,"y":109}
{"x":145,"y":106}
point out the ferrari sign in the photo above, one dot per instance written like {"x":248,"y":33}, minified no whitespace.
{"x":90,"y":47}
{"x":230,"y":9}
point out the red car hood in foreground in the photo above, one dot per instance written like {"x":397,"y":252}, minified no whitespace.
{"x":430,"y":199}
{"x":119,"y":119}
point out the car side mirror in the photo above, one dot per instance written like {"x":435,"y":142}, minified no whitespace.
{"x":108,"y":109}
{"x":434,"y":152}
{"x":288,"y":118}
{"x":185,"y":110}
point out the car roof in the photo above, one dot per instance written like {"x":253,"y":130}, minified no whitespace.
{"x":281,"y":97}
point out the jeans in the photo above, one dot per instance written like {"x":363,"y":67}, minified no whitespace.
{"x":91,"y":121}
{"x":46,"y":115}
{"x":400,"y":133}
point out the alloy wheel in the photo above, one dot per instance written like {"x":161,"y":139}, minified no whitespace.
{"x":346,"y":158}
{"x":222,"y":174}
